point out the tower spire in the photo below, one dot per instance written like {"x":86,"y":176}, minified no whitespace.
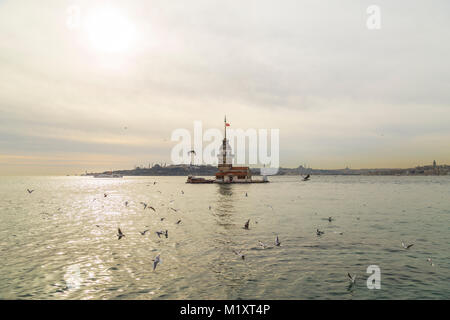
{"x":225,"y":126}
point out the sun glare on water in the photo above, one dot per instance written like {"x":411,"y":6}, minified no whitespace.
{"x":109,"y":31}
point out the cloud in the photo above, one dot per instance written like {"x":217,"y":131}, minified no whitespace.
{"x":339,"y":93}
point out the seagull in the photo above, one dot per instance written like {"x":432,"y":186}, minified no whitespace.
{"x":178,"y":222}
{"x":143,"y":232}
{"x":407,"y":246}
{"x":262,"y":244}
{"x":240,"y":254}
{"x":277,"y":242}
{"x":247,"y":224}
{"x":156,"y":261}
{"x":30,"y":191}
{"x":430,"y":261}
{"x":306,"y":178}
{"x":319,"y":233}
{"x":150,"y":207}
{"x":144,"y":204}
{"x":119,"y":234}
{"x":174,"y":209}
{"x":159,"y":233}
{"x":352,"y":278}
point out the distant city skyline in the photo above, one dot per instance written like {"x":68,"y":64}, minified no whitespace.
{"x":90,"y":85}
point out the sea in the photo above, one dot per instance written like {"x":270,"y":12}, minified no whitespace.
{"x":60,"y":241}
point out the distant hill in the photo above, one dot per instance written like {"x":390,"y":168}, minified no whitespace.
{"x":208,"y":170}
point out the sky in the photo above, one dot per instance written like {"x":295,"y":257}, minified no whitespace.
{"x":100,"y":85}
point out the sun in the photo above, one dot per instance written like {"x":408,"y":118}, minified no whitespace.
{"x":109,"y":31}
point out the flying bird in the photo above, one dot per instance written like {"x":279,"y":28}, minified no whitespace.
{"x":150,"y":207}
{"x":240,"y":254}
{"x":277,"y":242}
{"x":165,"y":233}
{"x":407,"y":246}
{"x":30,"y":191}
{"x":143,"y":232}
{"x":174,"y":209}
{"x":105,"y":195}
{"x":144,"y":204}
{"x":247,"y":224}
{"x":119,"y":234}
{"x":263,"y":245}
{"x":319,"y":233}
{"x":156,"y":261}
{"x":351,"y":278}
{"x":306,"y":178}
{"x":178,"y":222}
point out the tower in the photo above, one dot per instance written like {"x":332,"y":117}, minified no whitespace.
{"x":225,"y":157}
{"x":226,"y":172}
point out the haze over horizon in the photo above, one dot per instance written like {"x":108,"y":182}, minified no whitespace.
{"x":107,"y":90}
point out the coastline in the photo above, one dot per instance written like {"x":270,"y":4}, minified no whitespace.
{"x":208,"y":170}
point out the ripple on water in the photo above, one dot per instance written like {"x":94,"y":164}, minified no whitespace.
{"x":41,"y":239}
